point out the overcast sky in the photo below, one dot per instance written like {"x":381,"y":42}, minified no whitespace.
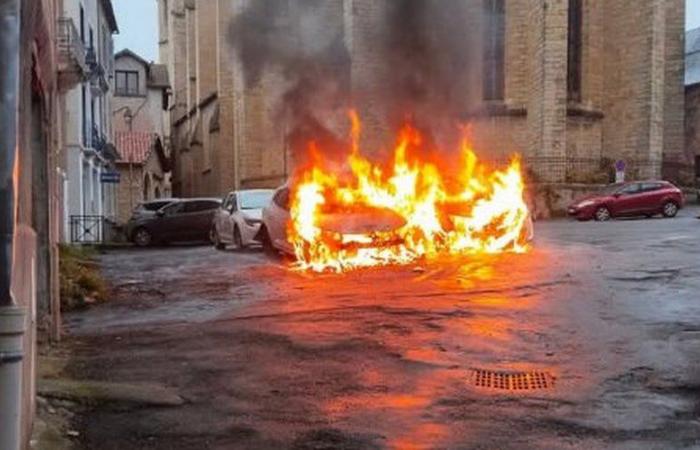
{"x":138,"y":25}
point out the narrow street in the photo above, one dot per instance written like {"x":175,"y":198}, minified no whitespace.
{"x":265,"y":357}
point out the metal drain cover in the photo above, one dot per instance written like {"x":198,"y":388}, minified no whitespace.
{"x":512,"y":381}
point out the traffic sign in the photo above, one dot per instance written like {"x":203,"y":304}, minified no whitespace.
{"x":110,"y":177}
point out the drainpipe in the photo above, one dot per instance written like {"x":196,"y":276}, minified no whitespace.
{"x":11,"y":316}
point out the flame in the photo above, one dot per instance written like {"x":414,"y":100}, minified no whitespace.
{"x":413,"y":207}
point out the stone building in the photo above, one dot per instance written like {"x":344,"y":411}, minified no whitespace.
{"x":87,"y":152}
{"x":571,"y":85}
{"x":692,"y":99}
{"x":138,"y":119}
{"x":30,"y":201}
{"x":143,"y":168}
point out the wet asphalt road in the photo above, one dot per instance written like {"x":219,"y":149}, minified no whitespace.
{"x":269,"y":358}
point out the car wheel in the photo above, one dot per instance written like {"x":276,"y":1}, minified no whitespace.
{"x":266,"y":242}
{"x":237,"y":239}
{"x":216,"y":240}
{"x":602,"y":214}
{"x":670,"y":209}
{"x":142,"y":237}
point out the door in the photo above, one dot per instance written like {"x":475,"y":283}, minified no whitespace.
{"x":198,"y":217}
{"x":223,"y":219}
{"x":652,"y":195}
{"x":628,"y":200}
{"x":170,"y":224}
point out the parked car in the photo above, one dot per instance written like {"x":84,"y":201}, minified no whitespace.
{"x":181,"y":220}
{"x":637,"y":198}
{"x":239,"y":218}
{"x":275,"y":216}
{"x":150,"y":207}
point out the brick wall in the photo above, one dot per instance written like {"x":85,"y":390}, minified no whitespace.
{"x":631,"y":96}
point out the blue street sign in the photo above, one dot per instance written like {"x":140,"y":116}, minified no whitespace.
{"x":110,"y":177}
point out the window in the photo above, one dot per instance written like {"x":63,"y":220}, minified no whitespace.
{"x":494,"y":49}
{"x":83,"y":114}
{"x":649,"y":187}
{"x":201,"y":205}
{"x":226,"y":204}
{"x":82,"y":24}
{"x":629,"y":189}
{"x":127,"y":82}
{"x":152,"y":206}
{"x":255,"y":199}
{"x":573,"y":81}
{"x":173,"y":208}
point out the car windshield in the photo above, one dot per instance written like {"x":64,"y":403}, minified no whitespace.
{"x":611,"y":189}
{"x":255,"y":200}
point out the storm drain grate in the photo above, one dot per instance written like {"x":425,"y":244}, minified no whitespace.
{"x":512,"y":381}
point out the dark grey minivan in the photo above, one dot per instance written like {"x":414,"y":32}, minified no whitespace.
{"x":187,"y":219}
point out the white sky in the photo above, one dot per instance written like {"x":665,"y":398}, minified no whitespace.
{"x":138,"y":25}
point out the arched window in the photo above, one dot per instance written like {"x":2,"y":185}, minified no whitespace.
{"x":147,"y":186}
{"x":573,"y":69}
{"x":494,"y":49}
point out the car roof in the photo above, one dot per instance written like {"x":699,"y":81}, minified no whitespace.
{"x":199,"y":199}
{"x":158,"y":200}
{"x":243,"y":191}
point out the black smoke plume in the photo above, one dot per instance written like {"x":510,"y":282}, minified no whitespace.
{"x":423,"y":45}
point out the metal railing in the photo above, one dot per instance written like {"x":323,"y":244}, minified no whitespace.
{"x":71,"y":49}
{"x":87,"y":229}
{"x":97,"y":140}
{"x":98,"y":73}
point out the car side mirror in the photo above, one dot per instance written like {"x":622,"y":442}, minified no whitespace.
{"x":617,"y":194}
{"x":160,"y":213}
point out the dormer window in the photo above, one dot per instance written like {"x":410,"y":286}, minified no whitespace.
{"x":127,"y":82}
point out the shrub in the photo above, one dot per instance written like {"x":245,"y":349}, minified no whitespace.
{"x":81,"y":282}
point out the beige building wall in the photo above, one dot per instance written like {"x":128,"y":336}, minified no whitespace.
{"x":630,"y":106}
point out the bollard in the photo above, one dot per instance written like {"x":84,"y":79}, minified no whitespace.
{"x":11,"y":353}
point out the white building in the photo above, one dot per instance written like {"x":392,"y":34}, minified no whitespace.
{"x":86,"y":112}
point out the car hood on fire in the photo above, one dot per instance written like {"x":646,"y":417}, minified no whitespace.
{"x":361,"y":222}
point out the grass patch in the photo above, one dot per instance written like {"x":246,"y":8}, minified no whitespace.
{"x":80,"y":278}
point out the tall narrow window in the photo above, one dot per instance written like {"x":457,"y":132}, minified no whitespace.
{"x":494,"y":49}
{"x":83,"y":115}
{"x":82,"y":24}
{"x":574,"y":54}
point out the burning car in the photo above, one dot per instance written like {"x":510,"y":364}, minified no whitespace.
{"x":411,"y":206}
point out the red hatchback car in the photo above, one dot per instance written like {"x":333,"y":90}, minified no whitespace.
{"x":637,"y":198}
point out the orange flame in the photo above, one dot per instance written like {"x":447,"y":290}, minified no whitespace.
{"x":405,"y":210}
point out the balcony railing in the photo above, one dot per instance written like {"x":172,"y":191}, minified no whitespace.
{"x":98,"y":141}
{"x":98,"y":74}
{"x":72,"y":64}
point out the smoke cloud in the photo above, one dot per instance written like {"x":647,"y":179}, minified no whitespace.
{"x":423,"y":47}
